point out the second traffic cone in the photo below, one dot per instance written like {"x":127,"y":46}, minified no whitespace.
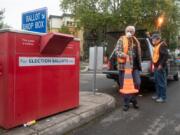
{"x":128,"y":87}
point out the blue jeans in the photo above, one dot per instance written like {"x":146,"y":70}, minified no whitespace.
{"x":137,"y":81}
{"x":160,"y":83}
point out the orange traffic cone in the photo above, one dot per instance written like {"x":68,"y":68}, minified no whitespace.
{"x":128,"y":87}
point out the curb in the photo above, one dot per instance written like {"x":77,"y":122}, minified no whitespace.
{"x":79,"y":120}
{"x":85,"y":70}
{"x":91,"y":107}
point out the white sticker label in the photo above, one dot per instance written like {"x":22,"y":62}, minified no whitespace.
{"x":45,"y":61}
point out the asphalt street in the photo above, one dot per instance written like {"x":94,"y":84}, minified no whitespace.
{"x":151,"y":119}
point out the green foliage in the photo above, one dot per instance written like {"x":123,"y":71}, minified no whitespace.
{"x":2,"y":24}
{"x":65,"y":30}
{"x":92,"y":14}
{"x":1,"y":18}
{"x":105,"y":15}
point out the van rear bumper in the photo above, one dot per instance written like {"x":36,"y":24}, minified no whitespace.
{"x":113,"y":74}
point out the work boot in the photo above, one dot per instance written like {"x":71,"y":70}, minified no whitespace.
{"x":126,"y":108}
{"x":154,"y":97}
{"x":135,"y":106}
{"x":134,"y":102}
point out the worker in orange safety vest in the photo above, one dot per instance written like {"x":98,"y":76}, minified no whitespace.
{"x":160,"y":57}
{"x":128,"y":48}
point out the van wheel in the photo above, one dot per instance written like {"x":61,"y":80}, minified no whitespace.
{"x":176,"y":77}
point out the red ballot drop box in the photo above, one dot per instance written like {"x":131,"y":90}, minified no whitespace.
{"x":39,"y":75}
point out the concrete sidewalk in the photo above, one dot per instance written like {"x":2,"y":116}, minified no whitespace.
{"x":90,"y":108}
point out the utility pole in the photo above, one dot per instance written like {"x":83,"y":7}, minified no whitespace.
{"x":94,"y":35}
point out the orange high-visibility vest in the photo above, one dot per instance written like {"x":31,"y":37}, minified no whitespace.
{"x":156,"y":53}
{"x":125,"y":50}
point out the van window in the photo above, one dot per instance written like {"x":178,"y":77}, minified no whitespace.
{"x":145,"y":52}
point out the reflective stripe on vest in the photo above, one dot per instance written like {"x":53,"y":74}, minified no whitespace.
{"x":156,"y":53}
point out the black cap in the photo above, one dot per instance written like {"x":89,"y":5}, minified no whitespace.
{"x":156,"y":36}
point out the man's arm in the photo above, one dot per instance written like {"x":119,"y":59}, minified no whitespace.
{"x":164,"y":55}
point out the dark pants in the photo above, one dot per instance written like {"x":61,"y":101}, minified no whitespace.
{"x":129,"y":98}
{"x":137,"y":81}
{"x":160,"y":83}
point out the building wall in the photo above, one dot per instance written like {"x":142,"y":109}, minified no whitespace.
{"x":56,"y":23}
{"x":68,"y":21}
{"x":54,"y":30}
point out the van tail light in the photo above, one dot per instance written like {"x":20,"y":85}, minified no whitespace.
{"x":109,"y":65}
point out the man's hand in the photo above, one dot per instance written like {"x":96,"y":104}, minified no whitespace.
{"x":123,"y":55}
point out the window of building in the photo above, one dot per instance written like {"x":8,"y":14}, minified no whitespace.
{"x":70,"y":23}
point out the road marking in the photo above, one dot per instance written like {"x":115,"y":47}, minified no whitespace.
{"x":118,"y":116}
{"x":156,"y":127}
{"x":177,"y":128}
{"x":83,"y":81}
